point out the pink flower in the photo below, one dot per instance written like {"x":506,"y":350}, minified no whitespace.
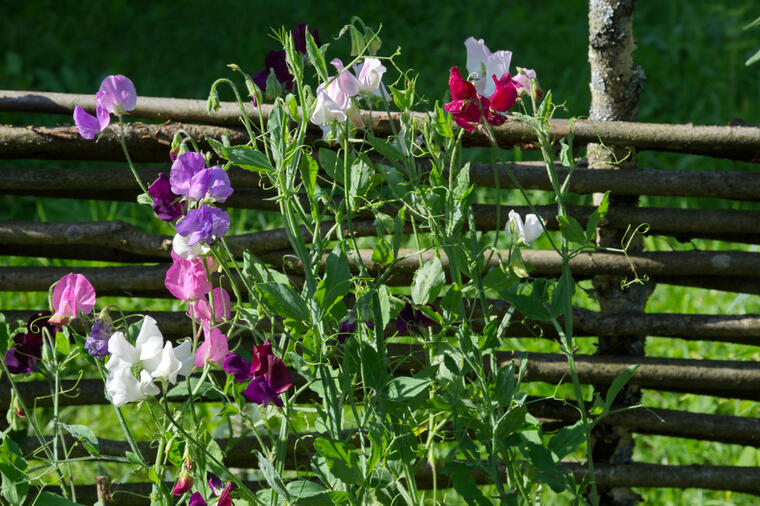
{"x":200,"y":310}
{"x":115,"y":93}
{"x":523,"y":81}
{"x":186,"y":279}
{"x":72,"y":295}
{"x":214,"y":347}
{"x":502,"y":99}
{"x":184,"y":483}
{"x":465,"y":105}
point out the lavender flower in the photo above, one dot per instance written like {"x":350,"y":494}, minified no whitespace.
{"x":204,"y":224}
{"x":183,"y":169}
{"x":97,"y":342}
{"x":212,"y":183}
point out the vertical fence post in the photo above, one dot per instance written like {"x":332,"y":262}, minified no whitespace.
{"x":615,"y":88}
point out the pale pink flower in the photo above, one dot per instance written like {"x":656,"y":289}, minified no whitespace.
{"x":200,"y":310}
{"x":214,"y":347}
{"x":187,"y":279}
{"x":72,"y":295}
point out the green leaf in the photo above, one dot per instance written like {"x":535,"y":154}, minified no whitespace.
{"x":316,"y":56}
{"x":571,"y":229}
{"x":361,"y":177}
{"x":333,"y":166}
{"x":342,"y":459}
{"x":13,"y":471}
{"x":247,"y":158}
{"x":145,"y":199}
{"x":531,"y":307}
{"x":617,"y":384}
{"x":85,"y":435}
{"x":568,"y":439}
{"x":404,"y":388}
{"x":442,"y":122}
{"x":467,"y":487}
{"x":428,"y":281}
{"x":283,"y":300}
{"x":133,"y":458}
{"x":309,"y":170}
{"x":62,"y":344}
{"x":398,"y":231}
{"x":276,"y":130}
{"x":51,"y":499}
{"x":382,"y":252}
{"x":272,"y":477}
{"x":561,"y":293}
{"x":753,"y":59}
{"x":596,"y":217}
{"x":308,"y":492}
{"x":384,"y":299}
{"x":385,"y":149}
{"x":565,"y":153}
{"x":336,"y":283}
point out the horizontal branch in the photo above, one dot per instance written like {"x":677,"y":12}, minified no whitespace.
{"x":736,"y":142}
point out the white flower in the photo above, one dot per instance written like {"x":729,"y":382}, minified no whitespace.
{"x":149,"y":344}
{"x":527,"y":232}
{"x":169,"y":366}
{"x":186,"y":357}
{"x":326,"y":110}
{"x":123,"y":387}
{"x":180,"y":247}
{"x":370,"y":77}
{"x":484,"y":65}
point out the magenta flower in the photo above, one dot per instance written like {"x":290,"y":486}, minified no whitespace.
{"x":465,"y":105}
{"x":186,"y":279}
{"x":97,"y":342}
{"x":184,"y":483}
{"x":204,"y":224}
{"x":212,"y":183}
{"x":214,"y":347}
{"x":215,"y":483}
{"x":183,"y":169}
{"x":166,"y":203}
{"x":26,"y":350}
{"x":115,"y":93}
{"x":196,"y":499}
{"x":72,"y":295}
{"x":503,"y":98}
{"x":225,"y":498}
{"x":270,"y":377}
{"x":200,"y":310}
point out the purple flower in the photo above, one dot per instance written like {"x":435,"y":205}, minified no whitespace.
{"x":26,"y":351}
{"x":410,"y":320}
{"x":212,"y":183}
{"x":347,"y":328}
{"x":270,"y":377}
{"x":97,"y":343}
{"x":115,"y":91}
{"x":183,"y":169}
{"x":165,"y":201}
{"x":204,"y":224}
{"x":196,"y":500}
{"x":299,"y":38}
{"x":215,"y":483}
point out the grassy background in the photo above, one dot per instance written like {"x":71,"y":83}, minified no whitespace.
{"x":692,"y":53}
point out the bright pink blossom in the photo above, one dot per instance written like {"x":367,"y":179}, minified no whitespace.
{"x":187,"y":279}
{"x":184,"y":483}
{"x":200,"y":310}
{"x":72,"y":295}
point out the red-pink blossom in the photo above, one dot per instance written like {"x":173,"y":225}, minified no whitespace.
{"x":72,"y":295}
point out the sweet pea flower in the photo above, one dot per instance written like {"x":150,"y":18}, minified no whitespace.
{"x":369,"y":77}
{"x":465,"y":106}
{"x":270,"y":377}
{"x":187,"y":165}
{"x":184,"y":483}
{"x":214,"y":347}
{"x":123,"y":387}
{"x":523,"y":82}
{"x":175,"y":360}
{"x":411,"y":320}
{"x":204,"y":224}
{"x":116,"y":92}
{"x":334,"y":99}
{"x":183,"y":249}
{"x":200,"y":310}
{"x":26,"y":351}
{"x":166,"y":203}
{"x":186,"y":279}
{"x":299,"y":37}
{"x":483,"y":65}
{"x":276,"y":60}
{"x":526,"y":232}
{"x":502,"y":99}
{"x":210,"y":184}
{"x":196,"y":499}
{"x":225,"y":498}
{"x":97,"y":342}
{"x":215,"y":483}
{"x":72,"y":295}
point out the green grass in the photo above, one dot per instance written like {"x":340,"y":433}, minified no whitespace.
{"x":692,"y":53}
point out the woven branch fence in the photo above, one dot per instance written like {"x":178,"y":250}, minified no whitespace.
{"x":734,"y":271}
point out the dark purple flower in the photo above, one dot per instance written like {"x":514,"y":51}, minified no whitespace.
{"x":260,"y":80}
{"x":183,"y":169}
{"x":26,"y":350}
{"x":166,"y":203}
{"x":277,"y":60}
{"x":196,"y":500}
{"x":204,"y":224}
{"x":97,"y":342}
{"x":410,"y":320}
{"x":210,"y":183}
{"x":225,"y":499}
{"x":299,"y":38}
{"x":347,"y":328}
{"x":215,"y":483}
{"x":270,"y":377}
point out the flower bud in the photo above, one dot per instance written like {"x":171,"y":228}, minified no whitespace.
{"x":184,"y":483}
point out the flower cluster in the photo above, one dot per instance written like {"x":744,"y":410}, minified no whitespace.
{"x":492,"y":91}
{"x":216,"y":486}
{"x":116,"y":94}
{"x":150,"y":357}
{"x":268,"y":374}
{"x":335,"y":97}
{"x":275,"y":61}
